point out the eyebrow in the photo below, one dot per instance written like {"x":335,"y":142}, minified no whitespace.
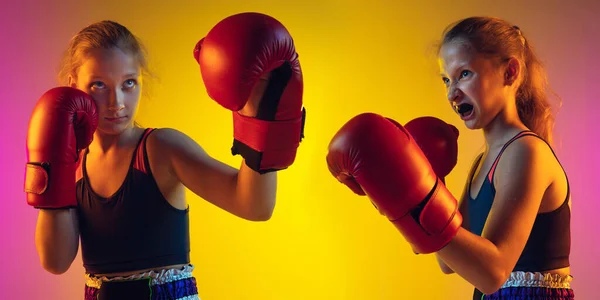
{"x":95,"y":77}
{"x":460,"y":67}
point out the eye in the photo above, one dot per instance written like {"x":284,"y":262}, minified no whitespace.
{"x":130,"y":83}
{"x":465,"y":73}
{"x":445,"y":80}
{"x":97,"y":85}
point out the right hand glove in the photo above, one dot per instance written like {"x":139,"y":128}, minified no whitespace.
{"x":234,"y":56}
{"x":63,"y":122}
{"x":377,"y":157}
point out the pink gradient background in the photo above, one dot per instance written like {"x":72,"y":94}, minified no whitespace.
{"x":32,"y":38}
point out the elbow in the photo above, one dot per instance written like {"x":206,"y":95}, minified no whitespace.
{"x":266,"y":216}
{"x":258,"y":209}
{"x":56,"y":262}
{"x":446,"y":270}
{"x":495,"y":281}
{"x":55,"y":266}
{"x":262,"y":215}
{"x":56,"y":270}
{"x":443,"y":266}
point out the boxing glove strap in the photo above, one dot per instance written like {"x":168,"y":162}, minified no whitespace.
{"x":36,"y":178}
{"x":50,"y":185}
{"x":265,"y":136}
{"x":439,"y":214}
{"x":434,"y":223}
{"x":266,"y":145}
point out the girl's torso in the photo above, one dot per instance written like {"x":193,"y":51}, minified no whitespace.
{"x":133,"y":213}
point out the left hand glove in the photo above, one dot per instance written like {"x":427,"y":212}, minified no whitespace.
{"x":249,"y":65}
{"x":439,"y":142}
{"x":377,"y":157}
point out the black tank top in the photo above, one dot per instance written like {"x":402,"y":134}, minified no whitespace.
{"x":136,"y":228}
{"x":549,"y":243}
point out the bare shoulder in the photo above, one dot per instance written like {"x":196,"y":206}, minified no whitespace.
{"x":531,"y":143}
{"x":168,"y":137}
{"x":170,"y":149}
{"x":168,"y":141}
{"x":527,"y":164}
{"x":525,"y":153}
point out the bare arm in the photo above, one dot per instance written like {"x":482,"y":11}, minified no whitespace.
{"x":57,"y":239}
{"x":244,"y":192}
{"x":521,"y":180}
{"x":463,"y":209}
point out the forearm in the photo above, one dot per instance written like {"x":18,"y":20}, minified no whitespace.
{"x":57,"y":239}
{"x":256,"y":192}
{"x":475,"y":259}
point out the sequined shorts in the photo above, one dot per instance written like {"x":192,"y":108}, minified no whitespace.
{"x":171,"y":284}
{"x":533,"y":286}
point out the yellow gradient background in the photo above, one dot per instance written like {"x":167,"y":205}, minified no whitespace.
{"x":323,"y":241}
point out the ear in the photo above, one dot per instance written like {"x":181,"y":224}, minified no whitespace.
{"x":512,"y":72}
{"x":72,"y":82}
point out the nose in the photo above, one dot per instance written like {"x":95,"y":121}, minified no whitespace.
{"x":116,"y":101}
{"x":454,"y":93}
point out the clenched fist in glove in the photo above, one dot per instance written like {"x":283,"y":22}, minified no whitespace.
{"x":244,"y":53}
{"x":377,"y":157}
{"x":63,"y":122}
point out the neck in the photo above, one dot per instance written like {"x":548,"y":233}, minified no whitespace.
{"x":107,"y":143}
{"x":503,"y":127}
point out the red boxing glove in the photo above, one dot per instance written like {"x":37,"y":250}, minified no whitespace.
{"x":380,"y":157}
{"x":233,"y":57}
{"x":63,"y":122}
{"x":439,"y":142}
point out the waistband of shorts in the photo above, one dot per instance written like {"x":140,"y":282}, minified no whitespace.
{"x":538,"y":279}
{"x":157,"y":277}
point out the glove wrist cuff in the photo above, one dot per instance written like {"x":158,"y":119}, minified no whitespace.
{"x":50,"y":185}
{"x":267,"y":145}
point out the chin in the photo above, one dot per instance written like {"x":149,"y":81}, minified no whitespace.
{"x":472,"y":124}
{"x":113,"y":129}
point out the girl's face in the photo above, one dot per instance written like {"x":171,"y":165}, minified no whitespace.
{"x":475,"y":86}
{"x":113,"y":79}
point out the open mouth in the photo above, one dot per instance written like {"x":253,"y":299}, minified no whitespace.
{"x":464,"y":110}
